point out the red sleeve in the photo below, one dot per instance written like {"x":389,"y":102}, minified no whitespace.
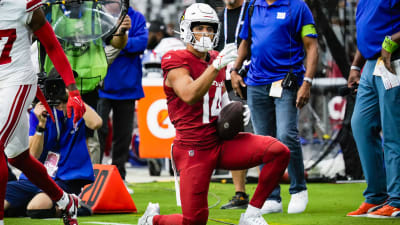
{"x":31,"y":5}
{"x":48,"y":39}
{"x":174,"y":59}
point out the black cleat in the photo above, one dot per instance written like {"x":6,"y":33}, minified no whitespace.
{"x":239,"y":201}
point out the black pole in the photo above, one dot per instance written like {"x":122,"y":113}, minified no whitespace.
{"x":337,"y":49}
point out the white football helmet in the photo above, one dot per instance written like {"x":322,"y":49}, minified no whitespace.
{"x":199,"y":13}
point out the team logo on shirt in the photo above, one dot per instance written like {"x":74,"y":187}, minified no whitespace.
{"x":281,"y":15}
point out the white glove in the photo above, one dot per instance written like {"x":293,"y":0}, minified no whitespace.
{"x":227,"y":55}
{"x":246,"y":115}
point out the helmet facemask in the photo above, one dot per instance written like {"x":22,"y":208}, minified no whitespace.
{"x":204,"y":44}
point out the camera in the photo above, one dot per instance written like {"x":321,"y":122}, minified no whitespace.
{"x":343,"y":91}
{"x":290,"y":81}
{"x":245,"y":68}
{"x":53,"y":88}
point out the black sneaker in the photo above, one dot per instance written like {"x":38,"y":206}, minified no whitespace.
{"x":154,"y":167}
{"x":239,"y":201}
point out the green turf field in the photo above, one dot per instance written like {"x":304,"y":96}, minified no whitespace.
{"x":328,"y":205}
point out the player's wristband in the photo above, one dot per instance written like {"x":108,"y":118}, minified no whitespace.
{"x":355,"y":68}
{"x":308,"y":80}
{"x":40,"y":130}
{"x":234,"y":69}
{"x":389,"y":45}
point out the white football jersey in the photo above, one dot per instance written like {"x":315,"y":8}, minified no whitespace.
{"x":16,"y":67}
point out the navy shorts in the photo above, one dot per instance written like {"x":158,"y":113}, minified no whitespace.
{"x":20,"y":192}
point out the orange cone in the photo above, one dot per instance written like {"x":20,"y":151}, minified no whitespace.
{"x":107,"y":194}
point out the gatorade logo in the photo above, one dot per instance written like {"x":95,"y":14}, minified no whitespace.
{"x":158,"y":120}
{"x":162,"y":117}
{"x":337,"y":108}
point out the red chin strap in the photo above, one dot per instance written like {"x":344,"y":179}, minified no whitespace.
{"x":42,"y":99}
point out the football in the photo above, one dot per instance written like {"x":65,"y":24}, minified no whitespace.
{"x":230,"y":120}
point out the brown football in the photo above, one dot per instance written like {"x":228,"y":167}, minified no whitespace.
{"x":230,"y":120}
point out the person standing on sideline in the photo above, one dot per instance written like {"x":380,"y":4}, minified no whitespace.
{"x":377,"y":108}
{"x":231,"y":22}
{"x":122,"y":87}
{"x":18,"y":83}
{"x":277,"y":83}
{"x":194,"y":86}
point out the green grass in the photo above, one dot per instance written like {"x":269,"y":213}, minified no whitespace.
{"x":328,"y":205}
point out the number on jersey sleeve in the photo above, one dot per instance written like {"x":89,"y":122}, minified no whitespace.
{"x":215,"y":106}
{"x":7,"y":38}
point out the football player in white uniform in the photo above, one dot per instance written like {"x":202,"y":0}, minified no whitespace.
{"x":18,"y":85}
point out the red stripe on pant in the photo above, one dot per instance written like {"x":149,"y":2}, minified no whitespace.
{"x":19,"y":111}
{"x":3,"y":133}
{"x":3,"y":181}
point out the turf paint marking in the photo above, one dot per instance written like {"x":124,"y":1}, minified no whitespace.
{"x":107,"y":223}
{"x":220,"y":221}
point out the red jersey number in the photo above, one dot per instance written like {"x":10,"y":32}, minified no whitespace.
{"x":10,"y":35}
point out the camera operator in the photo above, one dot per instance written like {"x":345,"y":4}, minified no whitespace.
{"x":61,"y":147}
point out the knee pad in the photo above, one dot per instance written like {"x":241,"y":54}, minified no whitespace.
{"x":41,"y":213}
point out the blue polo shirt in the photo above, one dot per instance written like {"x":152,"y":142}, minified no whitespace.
{"x":277,"y":45}
{"x":374,"y":20}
